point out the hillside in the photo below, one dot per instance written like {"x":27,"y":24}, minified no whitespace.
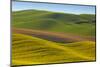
{"x":45,"y":37}
{"x":28,"y":50}
{"x":83,"y":24}
{"x":53,"y":36}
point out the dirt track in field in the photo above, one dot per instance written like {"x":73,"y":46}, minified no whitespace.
{"x":52,"y":36}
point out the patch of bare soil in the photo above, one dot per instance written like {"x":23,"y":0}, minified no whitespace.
{"x":53,"y":36}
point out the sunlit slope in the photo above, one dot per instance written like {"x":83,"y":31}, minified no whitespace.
{"x":31,"y":50}
{"x":83,"y":24}
{"x":85,"y":47}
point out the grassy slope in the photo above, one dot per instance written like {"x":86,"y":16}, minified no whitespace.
{"x":53,"y":21}
{"x":31,"y":50}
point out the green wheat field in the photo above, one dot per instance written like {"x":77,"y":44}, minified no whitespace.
{"x":45,"y":37}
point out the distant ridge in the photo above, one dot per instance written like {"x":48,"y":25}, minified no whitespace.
{"x":54,"y":21}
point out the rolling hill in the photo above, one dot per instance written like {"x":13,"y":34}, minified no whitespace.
{"x":83,"y":24}
{"x":45,"y":37}
{"x":28,"y":50}
{"x":53,"y":36}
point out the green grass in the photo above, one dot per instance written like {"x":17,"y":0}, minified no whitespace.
{"x":28,"y":50}
{"x":31,"y":50}
{"x":83,"y":24}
